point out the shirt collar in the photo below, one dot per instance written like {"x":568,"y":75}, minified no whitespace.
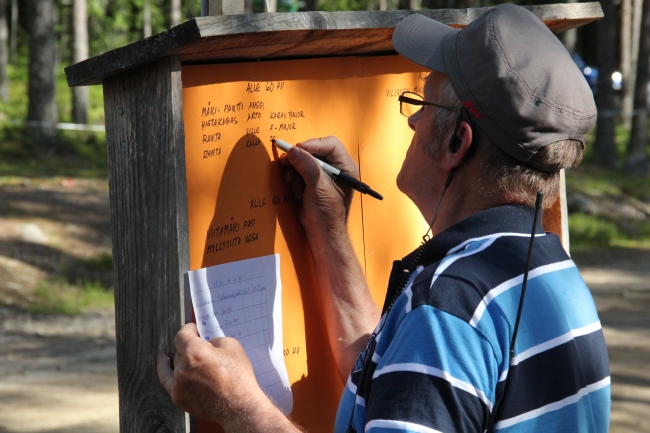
{"x":500,"y":219}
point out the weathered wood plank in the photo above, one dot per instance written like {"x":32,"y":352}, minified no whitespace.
{"x":303,"y":34}
{"x":146,"y":161}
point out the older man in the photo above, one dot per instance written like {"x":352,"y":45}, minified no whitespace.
{"x":503,"y":111}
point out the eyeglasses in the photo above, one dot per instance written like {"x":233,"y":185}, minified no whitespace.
{"x":410,"y":103}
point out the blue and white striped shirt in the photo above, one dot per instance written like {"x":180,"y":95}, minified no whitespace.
{"x":438,"y":360}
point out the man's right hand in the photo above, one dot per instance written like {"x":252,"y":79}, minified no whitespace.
{"x":325,"y":203}
{"x":349,"y":309}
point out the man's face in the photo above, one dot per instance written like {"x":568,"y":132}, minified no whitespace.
{"x":419,"y":176}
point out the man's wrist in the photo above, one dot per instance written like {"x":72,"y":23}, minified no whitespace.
{"x":259,"y":415}
{"x":321,"y":234}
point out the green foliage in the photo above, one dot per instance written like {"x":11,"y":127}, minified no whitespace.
{"x":102,"y":262}
{"x":64,"y":101}
{"x":638,"y":188}
{"x":96,"y":270}
{"x":115,"y":23}
{"x":621,"y":139}
{"x":16,"y":106}
{"x":111,"y":24}
{"x":77,"y":286}
{"x":599,"y":231}
{"x":77,"y":154}
{"x":590,"y":231}
{"x":360,"y":5}
{"x":346,"y":5}
{"x":591,"y":179}
{"x":61,"y":297}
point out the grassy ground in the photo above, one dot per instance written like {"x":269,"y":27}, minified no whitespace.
{"x":601,"y":231}
{"x":76,"y":154}
{"x":16,"y":107}
{"x":55,"y":248}
{"x":78,"y":285}
{"x":588,"y":230}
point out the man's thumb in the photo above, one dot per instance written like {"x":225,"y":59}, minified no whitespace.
{"x":305,"y":164}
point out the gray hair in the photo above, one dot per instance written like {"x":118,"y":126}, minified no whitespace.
{"x":514,"y":178}
{"x":444,"y":120}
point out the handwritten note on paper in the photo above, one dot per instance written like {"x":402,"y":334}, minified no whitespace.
{"x":243,"y":300}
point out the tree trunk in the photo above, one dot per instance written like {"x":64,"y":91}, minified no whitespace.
{"x":633,"y":33}
{"x":80,"y":53}
{"x":146,"y":18}
{"x":231,"y":7}
{"x":626,"y":57}
{"x":42,"y":92}
{"x":570,"y":37}
{"x":193,"y":9}
{"x":605,"y":147}
{"x":175,"y":12}
{"x":311,"y":5}
{"x":14,"y":30}
{"x":4,"y":51}
{"x":637,"y":160}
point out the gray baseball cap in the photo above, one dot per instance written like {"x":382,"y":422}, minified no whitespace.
{"x":511,"y":74}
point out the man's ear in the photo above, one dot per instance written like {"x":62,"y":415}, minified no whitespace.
{"x":464,"y":135}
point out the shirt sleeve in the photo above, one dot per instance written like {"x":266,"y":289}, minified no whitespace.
{"x":435,"y":374}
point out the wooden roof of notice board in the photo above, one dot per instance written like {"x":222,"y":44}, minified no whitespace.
{"x":229,"y":38}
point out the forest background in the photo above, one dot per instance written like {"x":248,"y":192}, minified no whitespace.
{"x":50,"y":131}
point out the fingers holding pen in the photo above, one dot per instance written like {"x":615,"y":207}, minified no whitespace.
{"x":303,"y":171}
{"x":305,"y":165}
{"x":331,"y":150}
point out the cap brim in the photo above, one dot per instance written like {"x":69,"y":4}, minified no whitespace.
{"x":419,"y":39}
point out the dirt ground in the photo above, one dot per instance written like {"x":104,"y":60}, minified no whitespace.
{"x":58,"y":373}
{"x":620,"y":283}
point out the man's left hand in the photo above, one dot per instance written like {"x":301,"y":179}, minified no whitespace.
{"x":214,"y":380}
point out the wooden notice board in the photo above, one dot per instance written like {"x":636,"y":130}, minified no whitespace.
{"x":239,"y":206}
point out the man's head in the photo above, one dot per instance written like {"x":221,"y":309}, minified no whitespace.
{"x":519,"y":85}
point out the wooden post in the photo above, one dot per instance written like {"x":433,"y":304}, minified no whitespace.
{"x":564,"y":212}
{"x":146,"y":162}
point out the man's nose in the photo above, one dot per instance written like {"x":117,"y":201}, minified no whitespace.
{"x":413,"y":119}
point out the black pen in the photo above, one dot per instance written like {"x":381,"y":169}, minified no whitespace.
{"x":335,"y":173}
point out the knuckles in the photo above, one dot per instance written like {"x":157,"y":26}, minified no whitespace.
{"x":208,"y":378}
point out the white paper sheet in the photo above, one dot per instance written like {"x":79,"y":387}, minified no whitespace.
{"x":243,"y":300}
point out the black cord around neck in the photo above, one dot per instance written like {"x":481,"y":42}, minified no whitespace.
{"x":495,"y":409}
{"x":414,"y":262}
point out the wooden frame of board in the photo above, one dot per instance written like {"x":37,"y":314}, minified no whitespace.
{"x":144,"y":99}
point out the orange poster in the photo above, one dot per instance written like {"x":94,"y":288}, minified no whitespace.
{"x":240,"y":207}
